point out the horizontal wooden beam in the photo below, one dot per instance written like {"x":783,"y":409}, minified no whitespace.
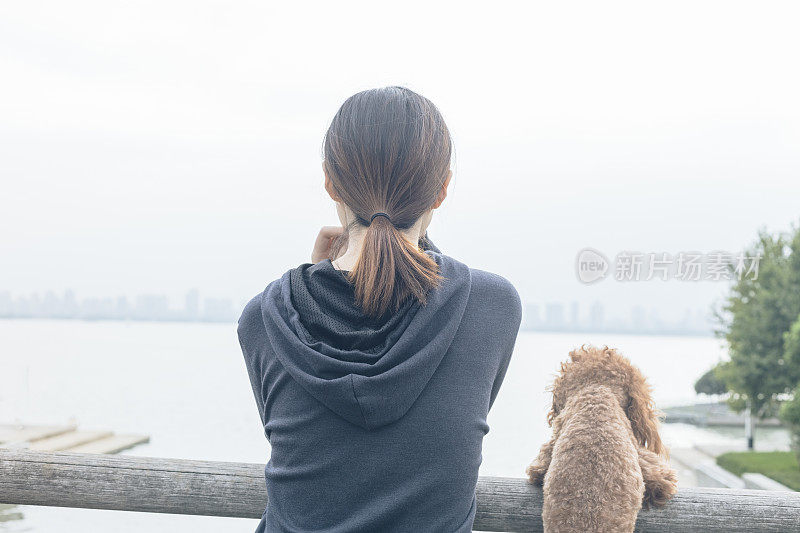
{"x":180,"y":486}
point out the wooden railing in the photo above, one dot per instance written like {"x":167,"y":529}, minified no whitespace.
{"x":179,"y":486}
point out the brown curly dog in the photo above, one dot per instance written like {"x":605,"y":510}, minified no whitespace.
{"x":605,"y":458}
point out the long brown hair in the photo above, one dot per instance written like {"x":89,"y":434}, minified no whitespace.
{"x":388,"y":151}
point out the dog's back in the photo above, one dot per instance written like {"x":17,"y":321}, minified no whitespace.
{"x":594,"y":482}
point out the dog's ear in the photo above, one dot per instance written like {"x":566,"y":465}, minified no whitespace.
{"x":554,"y":389}
{"x":643,"y":415}
{"x":553,"y":413}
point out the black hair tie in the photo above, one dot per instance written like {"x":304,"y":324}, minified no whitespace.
{"x":380,"y":215}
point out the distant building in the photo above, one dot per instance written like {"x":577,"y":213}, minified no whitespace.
{"x":98,"y":308}
{"x":638,"y":319}
{"x":531,"y":317}
{"x":152,"y":307}
{"x":574,"y":316}
{"x":218,"y":310}
{"x":554,"y":317}
{"x":655,"y":321}
{"x":6,"y":306}
{"x":122,"y":309}
{"x":70,"y":305}
{"x":191,"y":308}
{"x":597,"y":319}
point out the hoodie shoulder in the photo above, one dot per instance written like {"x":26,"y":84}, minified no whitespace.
{"x":251,"y":321}
{"x":252,"y":339}
{"x":496,"y":301}
{"x":251,"y":315}
{"x":496,"y":293}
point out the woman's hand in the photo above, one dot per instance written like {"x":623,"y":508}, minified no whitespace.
{"x":325,"y":238}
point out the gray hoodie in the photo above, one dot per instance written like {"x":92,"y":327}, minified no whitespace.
{"x":376,"y":425}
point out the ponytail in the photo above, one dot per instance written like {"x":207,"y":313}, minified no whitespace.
{"x":390,"y":269}
{"x":388,"y":149}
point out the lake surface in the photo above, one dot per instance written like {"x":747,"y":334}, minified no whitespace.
{"x":185,"y":385}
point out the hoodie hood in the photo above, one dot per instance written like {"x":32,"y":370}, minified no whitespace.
{"x":368,"y":371}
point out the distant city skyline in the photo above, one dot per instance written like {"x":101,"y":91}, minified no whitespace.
{"x":560,"y":317}
{"x":551,"y":316}
{"x":144,"y":307}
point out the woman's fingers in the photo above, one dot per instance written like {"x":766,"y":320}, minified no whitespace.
{"x":322,"y":246}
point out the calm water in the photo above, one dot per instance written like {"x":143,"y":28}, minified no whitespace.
{"x":185,"y":385}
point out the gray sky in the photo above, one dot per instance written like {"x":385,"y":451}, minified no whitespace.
{"x":160,"y":146}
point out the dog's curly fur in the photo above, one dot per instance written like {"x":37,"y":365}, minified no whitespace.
{"x":605,"y":459}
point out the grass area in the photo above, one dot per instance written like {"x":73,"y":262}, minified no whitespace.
{"x":780,"y":466}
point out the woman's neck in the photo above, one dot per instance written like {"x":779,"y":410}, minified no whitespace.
{"x":355,"y":241}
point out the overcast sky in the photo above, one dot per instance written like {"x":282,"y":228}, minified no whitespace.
{"x":161,"y":146}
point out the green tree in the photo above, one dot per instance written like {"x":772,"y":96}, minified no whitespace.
{"x":756,"y":315}
{"x":790,"y":410}
{"x":710,"y":383}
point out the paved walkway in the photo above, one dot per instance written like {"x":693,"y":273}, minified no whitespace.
{"x":683,"y":460}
